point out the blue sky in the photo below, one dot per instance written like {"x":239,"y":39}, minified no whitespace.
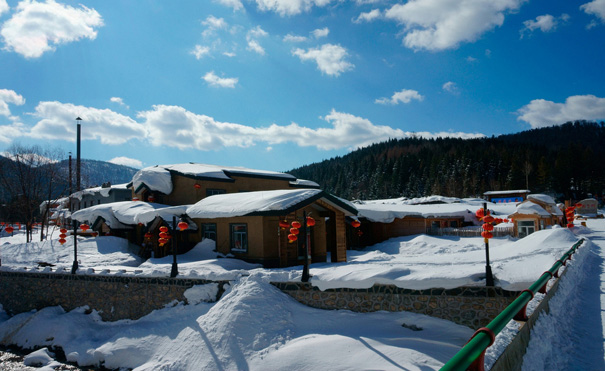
{"x":276,"y":84}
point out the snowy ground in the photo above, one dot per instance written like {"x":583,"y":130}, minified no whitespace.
{"x":255,"y":326}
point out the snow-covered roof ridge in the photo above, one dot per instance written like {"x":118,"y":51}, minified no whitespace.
{"x":543,"y":198}
{"x":103,"y":191}
{"x":506,"y":192}
{"x":158,"y":177}
{"x":531,"y":208}
{"x":261,"y":203}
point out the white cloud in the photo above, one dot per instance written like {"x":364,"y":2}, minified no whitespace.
{"x":544,"y":23}
{"x":12,"y":131}
{"x":320,"y":32}
{"x":126,"y":161}
{"x":9,"y":96}
{"x":58,"y":121}
{"x":119,"y":101}
{"x":200,"y":51}
{"x":444,"y":24}
{"x":36,"y":27}
{"x":289,"y":7}
{"x":595,"y":7}
{"x":3,"y":6}
{"x":235,"y":4}
{"x":224,"y":82}
{"x":368,"y":16}
{"x":471,"y":59}
{"x":229,"y":54}
{"x":251,"y":38}
{"x":540,"y":112}
{"x":330,"y":58}
{"x":213,"y":24}
{"x":451,"y":88}
{"x":294,"y":38}
{"x":403,"y":96}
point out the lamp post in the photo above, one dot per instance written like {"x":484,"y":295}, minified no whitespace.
{"x":78,"y":154}
{"x":175,"y":269}
{"x":489,"y":277}
{"x":74,"y":267}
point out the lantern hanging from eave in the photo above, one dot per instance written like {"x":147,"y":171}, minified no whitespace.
{"x":162,"y":241}
{"x":355,"y":223}
{"x":63,"y":230}
{"x":487,"y":227}
{"x":488,"y":219}
{"x":292,"y":237}
{"x":197,"y":186}
{"x":486,"y":234}
{"x":283,"y":224}
{"x":310,"y":221}
{"x":183,"y":225}
{"x":296,"y":224}
{"x":62,"y":241}
{"x":294,"y":231}
{"x":163,"y":229}
{"x":9,"y":229}
{"x":163,"y":235}
{"x":148,"y":235}
{"x":84,"y":227}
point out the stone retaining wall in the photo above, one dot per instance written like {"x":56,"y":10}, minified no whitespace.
{"x":474,"y":307}
{"x":113,"y":296}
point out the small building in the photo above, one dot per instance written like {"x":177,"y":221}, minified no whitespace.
{"x":247,"y":225}
{"x":499,"y":197}
{"x":186,"y":184}
{"x":538,"y":212}
{"x":106,"y":193}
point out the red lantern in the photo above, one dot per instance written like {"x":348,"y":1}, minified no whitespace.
{"x":570,"y":225}
{"x":84,"y":227}
{"x":505,"y":220}
{"x":182,"y":226}
{"x":294,"y":231}
{"x":9,"y":229}
{"x":486,"y":234}
{"x":148,"y":235}
{"x":488,"y":219}
{"x":292,"y":237}
{"x":163,"y":229}
{"x":62,"y":241}
{"x":479,"y":214}
{"x":162,"y":241}
{"x":296,"y":224}
{"x":62,"y":235}
{"x":283,"y":224}
{"x":487,"y":227}
{"x":310,"y":221}
{"x":163,"y":235}
{"x":63,"y":230}
{"x":197,"y":186}
{"x":355,"y":223}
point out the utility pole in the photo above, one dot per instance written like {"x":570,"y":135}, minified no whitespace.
{"x":78,"y":155}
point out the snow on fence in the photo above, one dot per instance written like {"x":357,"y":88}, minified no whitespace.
{"x":468,"y":232}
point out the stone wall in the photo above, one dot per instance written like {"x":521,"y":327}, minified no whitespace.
{"x":113,"y":296}
{"x":474,"y":307}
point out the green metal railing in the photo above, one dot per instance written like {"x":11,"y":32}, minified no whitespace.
{"x":471,"y":356}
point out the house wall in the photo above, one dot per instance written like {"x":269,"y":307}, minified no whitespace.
{"x":399,"y":227}
{"x":537,"y":219}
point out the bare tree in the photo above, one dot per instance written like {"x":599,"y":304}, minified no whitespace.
{"x":527,"y":168}
{"x":28,"y":177}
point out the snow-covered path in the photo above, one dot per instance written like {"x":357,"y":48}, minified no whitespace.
{"x":572,"y":335}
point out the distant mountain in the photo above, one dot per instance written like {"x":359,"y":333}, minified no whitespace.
{"x":95,"y":173}
{"x":566,"y":161}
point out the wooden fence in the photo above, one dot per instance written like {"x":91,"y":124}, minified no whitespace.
{"x":468,"y":232}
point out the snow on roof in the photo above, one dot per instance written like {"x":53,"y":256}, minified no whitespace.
{"x":124,"y":213}
{"x":506,"y":192}
{"x":158,"y":178}
{"x":434,"y":199}
{"x":529,"y":207}
{"x":304,"y":183}
{"x":240,"y":204}
{"x":542,"y":198}
{"x":103,"y":191}
{"x":386,"y":213}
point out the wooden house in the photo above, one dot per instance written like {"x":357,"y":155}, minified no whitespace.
{"x":247,"y":225}
{"x":536,"y":213}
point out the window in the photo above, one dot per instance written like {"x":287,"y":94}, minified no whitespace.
{"x":209,"y":231}
{"x":525,"y":228}
{"x":239,"y":237}
{"x":214,"y":191}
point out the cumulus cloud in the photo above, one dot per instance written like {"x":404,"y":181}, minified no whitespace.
{"x":57,"y":121}
{"x":126,"y":161}
{"x":119,"y":101}
{"x":3,"y":7}
{"x":544,"y":23}
{"x":252,"y":38}
{"x":540,"y":112}
{"x":294,"y":38}
{"x":320,"y":32}
{"x":403,"y":96}
{"x":595,"y":7}
{"x":235,"y":4}
{"x":200,"y":51}
{"x":368,"y":16}
{"x":6,"y":97}
{"x":289,"y":7}
{"x":223,"y":82}
{"x":444,"y":24}
{"x":330,"y":58}
{"x":36,"y":28}
{"x":451,"y":88}
{"x":213,"y":24}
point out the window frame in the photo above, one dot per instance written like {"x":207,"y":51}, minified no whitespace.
{"x":215,"y":191}
{"x":233,"y":240}
{"x":203,"y":229}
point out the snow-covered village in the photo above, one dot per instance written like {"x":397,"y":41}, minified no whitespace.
{"x":302,"y":185}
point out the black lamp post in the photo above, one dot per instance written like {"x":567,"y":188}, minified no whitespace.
{"x":78,"y":154}
{"x":175,"y":269}
{"x":305,"y":274}
{"x":74,"y":267}
{"x":489,"y":277}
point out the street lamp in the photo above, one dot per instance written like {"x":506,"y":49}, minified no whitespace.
{"x":487,"y":234}
{"x":78,"y":154}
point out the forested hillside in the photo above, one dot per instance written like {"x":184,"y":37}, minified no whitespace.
{"x":567,"y":161}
